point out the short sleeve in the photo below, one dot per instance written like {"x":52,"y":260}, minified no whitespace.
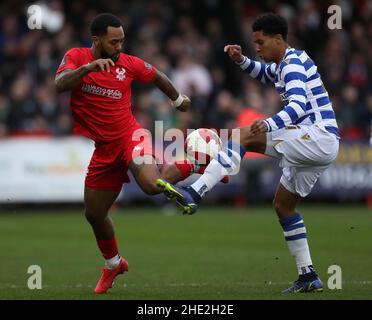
{"x":69,"y":61}
{"x":142,"y":70}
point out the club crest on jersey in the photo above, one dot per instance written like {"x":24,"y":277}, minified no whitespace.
{"x":120,"y":73}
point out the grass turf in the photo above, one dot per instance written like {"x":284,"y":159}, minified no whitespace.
{"x":219,"y":253}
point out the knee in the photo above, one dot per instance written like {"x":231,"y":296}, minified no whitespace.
{"x":242,"y":135}
{"x":172,"y":173}
{"x":89,"y":216}
{"x":94,"y":217}
{"x":277,"y":205}
{"x":281,"y":208}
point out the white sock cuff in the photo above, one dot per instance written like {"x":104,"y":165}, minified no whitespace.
{"x":113,"y":262}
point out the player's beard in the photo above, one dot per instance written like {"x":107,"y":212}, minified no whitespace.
{"x":114,"y":57}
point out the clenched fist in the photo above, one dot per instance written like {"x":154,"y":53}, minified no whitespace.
{"x":235,"y":52}
{"x":258,"y":127}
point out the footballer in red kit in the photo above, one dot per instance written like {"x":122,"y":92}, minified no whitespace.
{"x":100,"y":79}
{"x":101,"y":102}
{"x":101,"y":107}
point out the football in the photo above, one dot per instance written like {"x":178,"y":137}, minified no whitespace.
{"x":202,"y":145}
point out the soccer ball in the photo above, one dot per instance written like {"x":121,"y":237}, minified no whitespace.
{"x":202,"y":145}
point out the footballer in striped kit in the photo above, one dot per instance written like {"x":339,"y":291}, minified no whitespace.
{"x":304,"y":136}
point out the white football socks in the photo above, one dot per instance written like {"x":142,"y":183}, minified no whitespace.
{"x":227,"y":162}
{"x":295,"y":234}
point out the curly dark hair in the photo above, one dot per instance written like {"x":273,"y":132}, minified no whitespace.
{"x":271,"y":24}
{"x":99,"y":25}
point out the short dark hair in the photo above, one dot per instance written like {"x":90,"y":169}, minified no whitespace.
{"x":271,"y":24}
{"x":99,"y":25}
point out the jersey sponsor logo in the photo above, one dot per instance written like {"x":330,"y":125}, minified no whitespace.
{"x":292,"y":127}
{"x":137,"y":148}
{"x":120,"y":73}
{"x":99,"y":91}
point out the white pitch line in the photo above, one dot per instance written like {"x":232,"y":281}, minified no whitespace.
{"x":172,"y":284}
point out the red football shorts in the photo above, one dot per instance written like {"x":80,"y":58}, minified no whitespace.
{"x":108,"y":167}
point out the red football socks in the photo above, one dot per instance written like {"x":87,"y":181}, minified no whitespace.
{"x":186,"y":168}
{"x":109,"y":248}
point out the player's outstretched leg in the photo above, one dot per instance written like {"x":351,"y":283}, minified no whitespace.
{"x":227,"y":162}
{"x":181,"y":170}
{"x":186,"y":198}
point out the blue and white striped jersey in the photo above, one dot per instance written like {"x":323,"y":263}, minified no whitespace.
{"x":301,"y":89}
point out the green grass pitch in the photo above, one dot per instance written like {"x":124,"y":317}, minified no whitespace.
{"x":219,"y":253}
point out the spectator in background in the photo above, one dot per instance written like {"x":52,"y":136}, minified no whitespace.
{"x":368,"y":117}
{"x":4,"y":111}
{"x":191,"y":77}
{"x":357,"y":72}
{"x":188,"y":39}
{"x":23,"y":106}
{"x":227,"y":108}
{"x":351,"y":115}
{"x":252,"y":162}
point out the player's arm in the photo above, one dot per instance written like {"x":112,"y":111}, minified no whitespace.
{"x":69,"y":78}
{"x":257,"y":70}
{"x":181,"y":102}
{"x":294,"y":76}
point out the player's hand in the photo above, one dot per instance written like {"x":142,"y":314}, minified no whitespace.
{"x":258,"y":127}
{"x":185,"y":105}
{"x":100,"y":65}
{"x":235,"y":52}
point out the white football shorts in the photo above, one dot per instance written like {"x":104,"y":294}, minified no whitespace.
{"x":304,"y":153}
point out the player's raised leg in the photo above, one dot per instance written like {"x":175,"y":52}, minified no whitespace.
{"x":227,"y":162}
{"x":146,"y":172}
{"x":150,"y":179}
{"x":294,"y":230}
{"x":97,"y":205}
{"x":178,"y":171}
{"x":229,"y":158}
{"x":181,"y":170}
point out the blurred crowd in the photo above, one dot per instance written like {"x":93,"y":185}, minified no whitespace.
{"x":185,"y":40}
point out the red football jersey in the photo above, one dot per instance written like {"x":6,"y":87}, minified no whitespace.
{"x":101,"y":102}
